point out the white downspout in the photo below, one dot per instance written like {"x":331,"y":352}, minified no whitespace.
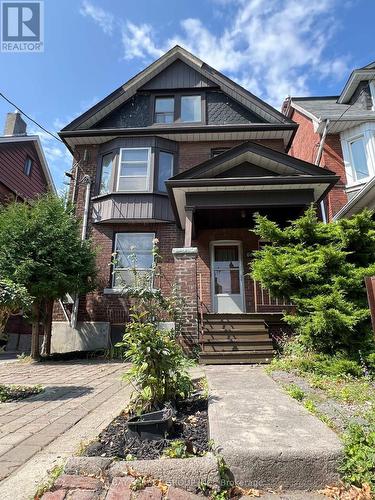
{"x":86,"y":179}
{"x":317,"y":163}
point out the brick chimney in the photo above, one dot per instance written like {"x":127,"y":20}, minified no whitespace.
{"x":14,"y":124}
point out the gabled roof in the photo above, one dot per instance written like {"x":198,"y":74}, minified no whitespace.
{"x":11,"y":139}
{"x":357,"y":75}
{"x":127,"y":90}
{"x":292,"y":174}
{"x":254,"y":153}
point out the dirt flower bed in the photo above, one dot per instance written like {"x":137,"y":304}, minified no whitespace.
{"x":189,"y":436}
{"x":10,"y":393}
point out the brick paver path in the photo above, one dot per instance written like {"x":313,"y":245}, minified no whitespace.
{"x":73,"y":390}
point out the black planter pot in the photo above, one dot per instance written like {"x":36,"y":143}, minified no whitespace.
{"x":152,"y":426}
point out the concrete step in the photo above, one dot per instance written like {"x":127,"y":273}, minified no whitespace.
{"x":236,"y":357}
{"x":237,"y":345}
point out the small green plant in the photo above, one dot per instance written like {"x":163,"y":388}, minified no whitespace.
{"x":159,"y":367}
{"x":47,"y":485}
{"x":295,"y":392}
{"x":16,"y":392}
{"x":310,"y":405}
{"x":358,"y":466}
{"x":139,"y":483}
{"x":177,"y":449}
{"x":130,"y":458}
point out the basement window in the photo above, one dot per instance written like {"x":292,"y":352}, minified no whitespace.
{"x":28,"y":166}
{"x":134,"y":259}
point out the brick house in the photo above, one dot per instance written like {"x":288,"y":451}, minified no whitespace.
{"x":24,"y":172}
{"x":343,"y":128}
{"x":182,"y":153}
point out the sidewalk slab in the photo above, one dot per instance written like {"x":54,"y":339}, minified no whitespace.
{"x":267,"y":439}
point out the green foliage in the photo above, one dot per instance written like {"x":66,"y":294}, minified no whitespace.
{"x":47,"y":485}
{"x":320,"y":268}
{"x":41,"y":248}
{"x":13,"y":298}
{"x":295,"y":392}
{"x":177,"y":449}
{"x":16,"y":392}
{"x":358,"y":466}
{"x":159,"y":366}
{"x":370,"y":362}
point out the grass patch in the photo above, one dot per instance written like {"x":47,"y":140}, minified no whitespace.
{"x":17,"y":392}
{"x":47,"y":485}
{"x":295,"y":392}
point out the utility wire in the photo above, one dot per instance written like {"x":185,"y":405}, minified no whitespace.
{"x":343,"y":113}
{"x":29,"y":118}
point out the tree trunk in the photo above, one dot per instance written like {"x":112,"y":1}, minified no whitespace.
{"x":35,"y":331}
{"x":46,"y":348}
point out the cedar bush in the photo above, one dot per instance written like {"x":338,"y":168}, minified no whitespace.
{"x":321,"y":268}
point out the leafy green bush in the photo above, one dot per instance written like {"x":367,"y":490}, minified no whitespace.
{"x":159,"y":366}
{"x":358,"y":466}
{"x":320,"y":268}
{"x":370,"y":362}
{"x":13,"y":298}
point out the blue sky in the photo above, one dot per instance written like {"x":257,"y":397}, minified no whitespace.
{"x":272,"y":47}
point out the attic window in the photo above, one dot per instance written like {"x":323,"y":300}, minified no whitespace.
{"x":28,"y":166}
{"x":191,"y":108}
{"x":164,"y":110}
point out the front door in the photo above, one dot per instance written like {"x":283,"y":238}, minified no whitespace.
{"x":227,"y":277}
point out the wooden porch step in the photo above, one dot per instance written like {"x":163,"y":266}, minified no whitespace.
{"x":235,"y":327}
{"x":236,"y":336}
{"x":236,"y":357}
{"x":237,"y":345}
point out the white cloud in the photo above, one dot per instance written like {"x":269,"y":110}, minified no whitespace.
{"x":273,"y":47}
{"x":101,"y":17}
{"x":137,"y":41}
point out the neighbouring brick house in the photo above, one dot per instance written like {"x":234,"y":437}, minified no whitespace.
{"x":182,"y":153}
{"x":24,"y":175}
{"x":345,"y":126}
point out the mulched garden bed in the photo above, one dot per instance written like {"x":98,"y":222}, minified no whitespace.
{"x":190,"y":425}
{"x":10,"y":393}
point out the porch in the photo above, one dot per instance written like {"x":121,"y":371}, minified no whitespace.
{"x":230,"y":315}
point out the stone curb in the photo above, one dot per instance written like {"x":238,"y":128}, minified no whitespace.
{"x":184,"y":473}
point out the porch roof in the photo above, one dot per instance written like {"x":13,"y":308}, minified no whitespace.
{"x":246,"y":170}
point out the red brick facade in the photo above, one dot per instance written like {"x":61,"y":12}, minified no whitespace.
{"x":305,"y":146}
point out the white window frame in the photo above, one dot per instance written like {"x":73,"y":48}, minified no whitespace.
{"x":114,"y":269}
{"x":148,"y":176}
{"x":367,"y":132}
{"x":200,"y":108}
{"x":372,"y":92}
{"x":354,"y":172}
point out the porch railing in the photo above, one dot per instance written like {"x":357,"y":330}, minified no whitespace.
{"x":263,"y":299}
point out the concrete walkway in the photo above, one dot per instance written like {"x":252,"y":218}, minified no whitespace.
{"x":267,"y":438}
{"x":81,"y":398}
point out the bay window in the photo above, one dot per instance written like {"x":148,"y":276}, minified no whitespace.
{"x":358,"y":159}
{"x":134,"y":169}
{"x":165,"y":170}
{"x":134,"y":259}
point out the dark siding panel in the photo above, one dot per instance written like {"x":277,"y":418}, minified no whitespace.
{"x":12,"y":160}
{"x":178,"y":76}
{"x":247,"y":170}
{"x":128,"y":207}
{"x":222,"y":110}
{"x":134,"y":113}
{"x":362,"y":96}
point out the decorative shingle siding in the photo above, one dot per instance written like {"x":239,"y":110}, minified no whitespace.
{"x":222,"y":110}
{"x":134,"y":113}
{"x":362,"y":96}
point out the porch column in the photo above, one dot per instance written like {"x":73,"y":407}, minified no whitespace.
{"x":188,"y":227}
{"x":185,"y":260}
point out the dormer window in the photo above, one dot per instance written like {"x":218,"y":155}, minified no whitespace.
{"x":164,"y":110}
{"x":191,"y":109}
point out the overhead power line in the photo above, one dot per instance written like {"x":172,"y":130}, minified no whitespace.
{"x":31,"y":119}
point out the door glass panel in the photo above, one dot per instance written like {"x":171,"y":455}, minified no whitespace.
{"x":226,"y":270}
